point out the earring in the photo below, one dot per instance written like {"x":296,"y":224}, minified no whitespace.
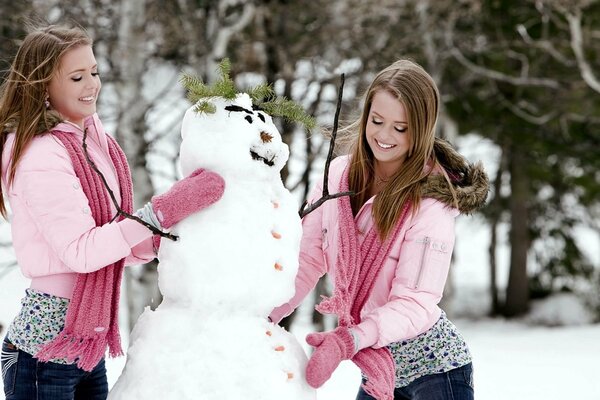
{"x":47,"y":102}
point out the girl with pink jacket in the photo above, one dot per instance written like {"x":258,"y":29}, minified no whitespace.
{"x":388,"y":248}
{"x":67,"y":235}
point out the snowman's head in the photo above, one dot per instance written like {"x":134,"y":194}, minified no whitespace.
{"x":237,"y":139}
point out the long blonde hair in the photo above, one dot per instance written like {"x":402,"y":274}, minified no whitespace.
{"x":24,"y":92}
{"x":416,"y":90}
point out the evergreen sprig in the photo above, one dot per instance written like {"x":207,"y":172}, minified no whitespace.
{"x":260,"y":92}
{"x":262,"y":96}
{"x":205,"y":107}
{"x":288,"y":109}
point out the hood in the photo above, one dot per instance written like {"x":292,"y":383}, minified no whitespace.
{"x":470,"y":182}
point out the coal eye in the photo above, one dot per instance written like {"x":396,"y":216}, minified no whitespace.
{"x":261,"y":116}
{"x":248,"y":118}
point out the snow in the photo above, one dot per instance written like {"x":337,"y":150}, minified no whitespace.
{"x":233,"y":263}
{"x":512,"y":360}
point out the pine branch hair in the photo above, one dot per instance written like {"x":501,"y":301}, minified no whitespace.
{"x":263,"y":96}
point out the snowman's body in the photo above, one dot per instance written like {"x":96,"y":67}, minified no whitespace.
{"x":234,"y":262}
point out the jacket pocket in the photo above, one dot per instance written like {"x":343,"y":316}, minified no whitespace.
{"x":433,"y":265}
{"x":9,"y":358}
{"x":425,"y":244}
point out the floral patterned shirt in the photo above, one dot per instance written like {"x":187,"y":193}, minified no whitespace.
{"x":40,"y":320}
{"x":440,"y":349}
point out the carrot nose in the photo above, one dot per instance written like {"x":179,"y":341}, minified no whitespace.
{"x":265,"y":137}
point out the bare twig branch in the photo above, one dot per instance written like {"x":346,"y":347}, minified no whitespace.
{"x":585,"y":69}
{"x":120,"y":212}
{"x":545,"y":45}
{"x":305,"y":210}
{"x":521,"y":113}
{"x":499,"y":76}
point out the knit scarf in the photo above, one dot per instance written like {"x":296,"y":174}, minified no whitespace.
{"x":92,"y":316}
{"x":357,"y":268}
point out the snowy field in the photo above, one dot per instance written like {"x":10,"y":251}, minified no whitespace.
{"x":513,"y":360}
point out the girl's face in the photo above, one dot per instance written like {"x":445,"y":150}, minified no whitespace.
{"x":387,"y":132}
{"x":74,"y":88}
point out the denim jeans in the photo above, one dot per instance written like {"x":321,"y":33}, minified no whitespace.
{"x":26,"y":378}
{"x":456,"y":384}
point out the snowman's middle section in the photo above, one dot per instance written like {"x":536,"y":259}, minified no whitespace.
{"x":239,"y":256}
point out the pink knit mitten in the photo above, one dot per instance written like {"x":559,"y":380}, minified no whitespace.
{"x":331,"y":348}
{"x":187,"y":196}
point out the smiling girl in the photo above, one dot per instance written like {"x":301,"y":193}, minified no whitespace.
{"x":64,"y":231}
{"x":387,"y":249}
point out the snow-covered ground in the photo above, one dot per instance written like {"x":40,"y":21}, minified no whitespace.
{"x":513,"y":360}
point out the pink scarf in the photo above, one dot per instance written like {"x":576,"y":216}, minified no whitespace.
{"x":92,"y":316}
{"x":356,"y":270}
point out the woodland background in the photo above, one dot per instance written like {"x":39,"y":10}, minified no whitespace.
{"x":523,"y":75}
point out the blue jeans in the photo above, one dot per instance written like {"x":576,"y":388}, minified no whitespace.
{"x":26,"y":378}
{"x":456,"y":384}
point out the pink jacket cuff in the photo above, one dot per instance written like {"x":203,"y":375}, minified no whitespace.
{"x":367,"y":333}
{"x":133,"y":232}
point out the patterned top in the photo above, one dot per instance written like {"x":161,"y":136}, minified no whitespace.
{"x":440,"y":349}
{"x":40,"y":320}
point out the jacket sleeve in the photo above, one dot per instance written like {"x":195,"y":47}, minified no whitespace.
{"x":312,"y":260}
{"x":419,"y":280}
{"x":47,"y":185}
{"x":141,"y":253}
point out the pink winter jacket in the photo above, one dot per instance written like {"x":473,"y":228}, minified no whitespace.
{"x":405,"y":296}
{"x":53,"y":233}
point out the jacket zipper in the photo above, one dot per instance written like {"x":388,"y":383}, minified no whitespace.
{"x":426,"y":240}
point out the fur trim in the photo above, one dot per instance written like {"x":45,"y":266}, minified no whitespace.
{"x":470,"y":182}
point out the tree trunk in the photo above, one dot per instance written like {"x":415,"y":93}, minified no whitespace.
{"x":517,"y":291}
{"x":495,"y":306}
{"x":495,"y":209}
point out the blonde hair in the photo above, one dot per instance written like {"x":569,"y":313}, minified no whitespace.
{"x":418,"y":93}
{"x":24,"y":92}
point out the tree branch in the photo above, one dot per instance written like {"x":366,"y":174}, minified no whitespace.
{"x":585,"y":69}
{"x":521,"y":113}
{"x":120,"y":212}
{"x":499,"y":76}
{"x":545,"y":45}
{"x":305,"y":210}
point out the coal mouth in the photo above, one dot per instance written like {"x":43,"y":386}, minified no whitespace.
{"x":257,"y":157}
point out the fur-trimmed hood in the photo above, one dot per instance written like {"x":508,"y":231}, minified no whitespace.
{"x":470,"y":182}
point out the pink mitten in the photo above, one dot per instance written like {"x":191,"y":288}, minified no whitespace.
{"x":331,"y":348}
{"x":187,"y":196}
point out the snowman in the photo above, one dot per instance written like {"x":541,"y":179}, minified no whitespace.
{"x":235,"y":261}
